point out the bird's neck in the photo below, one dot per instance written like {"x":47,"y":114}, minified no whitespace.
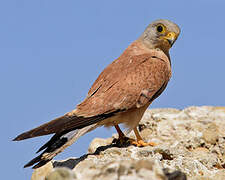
{"x":139,"y":47}
{"x":148,"y":44}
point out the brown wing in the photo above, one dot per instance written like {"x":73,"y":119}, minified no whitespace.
{"x":121,"y":87}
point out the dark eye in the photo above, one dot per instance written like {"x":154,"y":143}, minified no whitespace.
{"x":159,"y":28}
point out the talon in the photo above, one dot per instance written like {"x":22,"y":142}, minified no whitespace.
{"x":123,"y":141}
{"x":152,"y":144}
{"x":141,"y":143}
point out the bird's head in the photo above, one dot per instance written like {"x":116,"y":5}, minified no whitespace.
{"x":160,"y":34}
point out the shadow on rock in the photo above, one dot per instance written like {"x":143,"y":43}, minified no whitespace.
{"x":72,"y":162}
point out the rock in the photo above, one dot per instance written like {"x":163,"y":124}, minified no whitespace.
{"x":219,"y":175}
{"x":122,"y":169}
{"x":176,"y":175}
{"x":61,"y":174}
{"x":211,"y":134}
{"x":97,"y":142}
{"x":42,"y":172}
{"x":190,"y":143}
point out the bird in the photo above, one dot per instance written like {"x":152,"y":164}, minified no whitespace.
{"x":120,"y":95}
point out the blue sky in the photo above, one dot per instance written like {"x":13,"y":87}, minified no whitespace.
{"x":51,"y":51}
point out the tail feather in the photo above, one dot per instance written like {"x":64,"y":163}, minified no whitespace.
{"x":51,"y":141}
{"x":53,"y":126}
{"x":57,"y":144}
{"x":37,"y":160}
{"x":67,"y":130}
{"x":64,"y":123}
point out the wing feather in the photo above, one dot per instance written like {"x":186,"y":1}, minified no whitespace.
{"x":121,"y":89}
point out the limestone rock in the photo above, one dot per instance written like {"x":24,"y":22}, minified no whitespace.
{"x":61,"y":174}
{"x":190,"y":144}
{"x":211,"y":134}
{"x":42,"y":172}
{"x":97,"y":142}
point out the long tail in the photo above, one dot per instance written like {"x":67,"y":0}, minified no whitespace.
{"x":64,"y":123}
{"x":57,"y":144}
{"x":67,"y":129}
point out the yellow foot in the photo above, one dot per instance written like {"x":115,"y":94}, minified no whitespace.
{"x":141,"y":143}
{"x":125,"y":141}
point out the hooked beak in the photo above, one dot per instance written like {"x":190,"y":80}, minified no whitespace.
{"x":171,"y":37}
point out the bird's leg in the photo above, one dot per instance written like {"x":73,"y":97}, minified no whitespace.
{"x":122,"y":140}
{"x":140,"y":142}
{"x":120,"y":133}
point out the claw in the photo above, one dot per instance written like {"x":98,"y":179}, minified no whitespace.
{"x":123,"y":141}
{"x":141,"y":143}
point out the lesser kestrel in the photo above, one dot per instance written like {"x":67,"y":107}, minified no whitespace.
{"x":120,"y":95}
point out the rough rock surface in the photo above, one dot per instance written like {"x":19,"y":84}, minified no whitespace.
{"x":190,"y":145}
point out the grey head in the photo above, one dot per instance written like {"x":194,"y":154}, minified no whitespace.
{"x":160,"y":34}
